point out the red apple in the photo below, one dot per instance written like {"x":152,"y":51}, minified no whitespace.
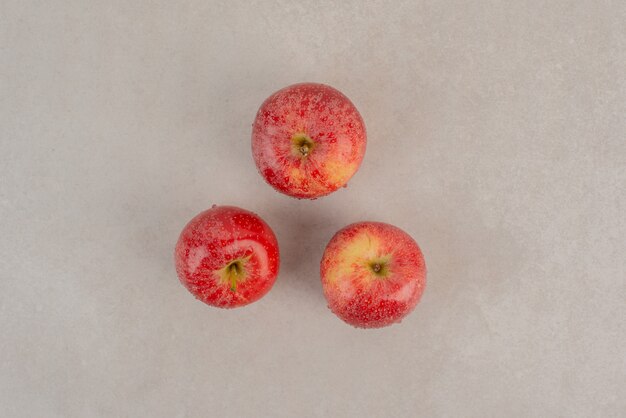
{"x":373,"y":274}
{"x":227,"y":257}
{"x":308,"y":140}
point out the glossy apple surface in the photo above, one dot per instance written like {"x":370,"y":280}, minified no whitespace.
{"x":308,"y":140}
{"x":373,"y":274}
{"x":227,"y":257}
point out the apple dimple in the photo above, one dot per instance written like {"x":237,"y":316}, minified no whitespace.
{"x":302,"y":144}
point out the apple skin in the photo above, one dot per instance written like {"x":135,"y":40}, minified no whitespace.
{"x":308,"y":140}
{"x":373,"y":274}
{"x":227,"y":257}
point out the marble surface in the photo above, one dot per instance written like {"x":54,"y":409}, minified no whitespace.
{"x":497,"y":137}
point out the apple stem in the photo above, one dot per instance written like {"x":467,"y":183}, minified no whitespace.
{"x":376,"y":267}
{"x":304,"y":150}
{"x":233,"y":273}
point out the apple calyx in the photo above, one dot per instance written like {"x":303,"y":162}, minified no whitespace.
{"x":233,"y":273}
{"x":380,"y":267}
{"x":302,"y":144}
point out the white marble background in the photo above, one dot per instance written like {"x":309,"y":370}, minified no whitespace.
{"x":497,"y":138}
